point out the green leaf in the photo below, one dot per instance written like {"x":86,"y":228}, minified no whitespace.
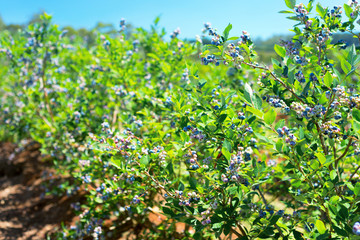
{"x":333,"y":174}
{"x":274,"y":219}
{"x":233,"y":190}
{"x":166,"y":67}
{"x":290,"y":3}
{"x":353,"y":57}
{"x":168,"y":211}
{"x":293,"y":18}
{"x":348,"y":11}
{"x":320,"y":226}
{"x":357,"y":189}
{"x":350,"y":186}
{"x":222,"y":118}
{"x":321,"y":158}
{"x":323,"y":99}
{"x":345,"y":66}
{"x":328,"y":79}
{"x":257,"y":101}
{"x":280,"y":124}
{"x":115,"y":162}
{"x":320,"y":10}
{"x":291,"y":77}
{"x":181,"y":186}
{"x":286,"y":11}
{"x":314,"y":164}
{"x":192,"y":182}
{"x":340,"y":231}
{"x":279,"y":145}
{"x":156,"y":21}
{"x":275,"y":62}
{"x":270,"y":116}
{"x":281,"y":51}
{"x":264,"y":138}
{"x":248,"y":93}
{"x":227,"y":145}
{"x":154,"y":56}
{"x":297,"y":235}
{"x":226,"y":153}
{"x":232,"y":38}
{"x":227,"y":31}
{"x":170,"y":168}
{"x":334,"y":200}
{"x":217,"y":225}
{"x":344,"y":213}
{"x":145,"y":160}
{"x":356,"y":114}
{"x":256,"y":112}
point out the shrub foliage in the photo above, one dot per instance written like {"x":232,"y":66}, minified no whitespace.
{"x":221,"y":143}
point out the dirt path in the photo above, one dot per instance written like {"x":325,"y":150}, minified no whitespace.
{"x":25,"y":212}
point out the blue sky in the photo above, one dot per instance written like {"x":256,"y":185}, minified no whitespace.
{"x":260,"y":18}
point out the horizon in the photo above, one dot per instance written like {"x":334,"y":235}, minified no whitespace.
{"x":140,"y":13}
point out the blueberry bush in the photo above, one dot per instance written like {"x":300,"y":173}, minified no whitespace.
{"x":200,"y":133}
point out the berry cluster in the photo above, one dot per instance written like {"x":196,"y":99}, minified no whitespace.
{"x":289,"y":137}
{"x":192,"y":160}
{"x":292,"y":48}
{"x":234,"y":52}
{"x":185,"y":76}
{"x":245,"y":38}
{"x":209,"y":59}
{"x":175,"y":33}
{"x":330,"y":130}
{"x":233,"y":171}
{"x":300,"y":77}
{"x":215,"y":40}
{"x":301,"y":12}
{"x":206,"y":217}
{"x":356,"y":228}
{"x":192,"y":197}
{"x":323,"y":36}
{"x":122,"y":25}
{"x":274,"y":101}
{"x":308,"y":112}
{"x":335,"y":12}
{"x":300,"y":60}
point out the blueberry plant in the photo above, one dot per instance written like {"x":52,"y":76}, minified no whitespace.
{"x":223,"y":144}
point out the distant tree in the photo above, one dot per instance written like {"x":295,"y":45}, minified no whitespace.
{"x":268,"y":43}
{"x":88,"y":36}
{"x":14,"y":28}
{"x":70,"y":30}
{"x":346,"y":38}
{"x":35,"y":18}
{"x":105,"y":28}
{"x":2,"y":24}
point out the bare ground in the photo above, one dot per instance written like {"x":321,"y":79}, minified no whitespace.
{"x":25,"y":212}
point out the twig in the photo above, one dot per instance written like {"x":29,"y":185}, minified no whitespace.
{"x":353,"y":174}
{"x":114,"y":118}
{"x":276,"y":79}
{"x":155,"y":181}
{"x":342,"y":155}
{"x":321,"y":138}
{"x":241,"y":229}
{"x":43,"y":81}
{"x":332,"y":98}
{"x":236,"y":233}
{"x":264,"y":200}
{"x":313,"y":188}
